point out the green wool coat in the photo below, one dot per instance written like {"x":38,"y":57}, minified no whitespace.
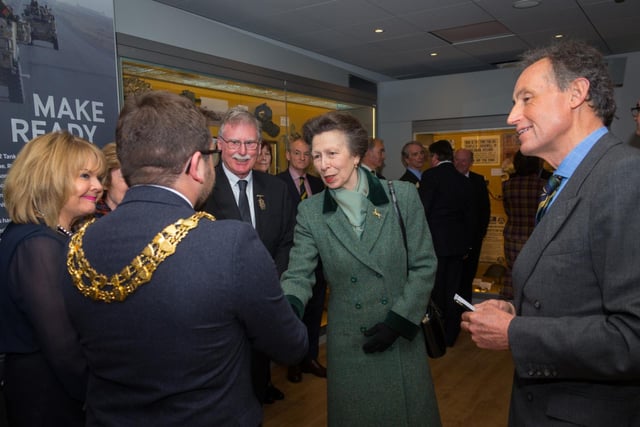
{"x":369,"y":284}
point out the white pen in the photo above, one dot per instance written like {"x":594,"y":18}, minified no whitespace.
{"x":463,"y":302}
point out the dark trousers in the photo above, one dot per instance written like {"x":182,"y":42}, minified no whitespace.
{"x":34,"y":396}
{"x":469,"y":270}
{"x":313,"y":315}
{"x":260,"y":374}
{"x":448,"y":280}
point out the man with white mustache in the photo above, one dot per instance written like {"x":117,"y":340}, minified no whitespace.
{"x":270,"y":209}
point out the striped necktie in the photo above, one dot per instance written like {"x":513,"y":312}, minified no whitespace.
{"x":302,"y":189}
{"x":548,"y":192}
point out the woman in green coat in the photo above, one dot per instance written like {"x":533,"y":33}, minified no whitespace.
{"x":377,"y":368}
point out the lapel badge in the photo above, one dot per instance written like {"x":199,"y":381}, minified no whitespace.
{"x":376,"y":213}
{"x":261,"y":203}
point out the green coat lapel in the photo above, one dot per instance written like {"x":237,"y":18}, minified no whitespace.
{"x":378,"y":213}
{"x":377,"y":216}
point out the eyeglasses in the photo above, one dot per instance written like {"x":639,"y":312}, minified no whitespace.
{"x":212,"y":151}
{"x":235,"y":144}
{"x":635,"y":110}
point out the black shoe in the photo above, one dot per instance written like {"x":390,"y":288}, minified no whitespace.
{"x":314,"y":367}
{"x":294,"y":374}
{"x":273,"y":393}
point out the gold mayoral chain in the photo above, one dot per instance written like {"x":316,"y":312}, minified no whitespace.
{"x":119,"y":286}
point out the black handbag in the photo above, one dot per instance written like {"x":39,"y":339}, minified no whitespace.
{"x":432,"y":324}
{"x":433,"y":330}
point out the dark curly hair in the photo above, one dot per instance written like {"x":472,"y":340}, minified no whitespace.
{"x":572,"y":59}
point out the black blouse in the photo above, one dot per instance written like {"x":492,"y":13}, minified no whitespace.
{"x":35,"y":330}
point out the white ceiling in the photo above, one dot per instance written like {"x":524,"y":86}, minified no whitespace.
{"x":343,"y":29}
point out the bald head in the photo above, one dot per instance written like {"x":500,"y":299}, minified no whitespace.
{"x":463,"y":159}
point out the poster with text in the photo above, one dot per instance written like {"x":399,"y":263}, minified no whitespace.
{"x":486,"y":149}
{"x":58,"y":72}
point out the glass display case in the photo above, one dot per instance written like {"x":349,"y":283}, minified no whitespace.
{"x":281,"y":112}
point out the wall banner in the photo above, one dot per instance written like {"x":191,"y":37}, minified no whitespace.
{"x":57,"y":71}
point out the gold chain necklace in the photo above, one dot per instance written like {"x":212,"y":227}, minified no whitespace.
{"x":119,"y":286}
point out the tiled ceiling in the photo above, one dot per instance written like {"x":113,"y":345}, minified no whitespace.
{"x":480,"y":34}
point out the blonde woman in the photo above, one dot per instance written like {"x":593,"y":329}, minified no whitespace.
{"x":54,"y":181}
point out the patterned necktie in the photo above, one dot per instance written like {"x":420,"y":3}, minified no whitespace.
{"x":302,"y":189}
{"x":243,"y":202}
{"x":548,"y":192}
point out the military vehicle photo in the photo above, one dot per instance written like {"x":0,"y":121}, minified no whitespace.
{"x":10,"y":70}
{"x":42,"y":22}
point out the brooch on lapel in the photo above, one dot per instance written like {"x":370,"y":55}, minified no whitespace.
{"x":376,"y":213}
{"x":261,"y":203}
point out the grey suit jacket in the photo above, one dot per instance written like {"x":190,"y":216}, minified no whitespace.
{"x":576,"y":339}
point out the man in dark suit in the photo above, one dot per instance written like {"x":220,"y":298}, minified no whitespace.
{"x":481,"y":206}
{"x":573,"y":327}
{"x":269,"y":208}
{"x":301,"y":186}
{"x":373,"y":160}
{"x":413,"y":158}
{"x":445,"y":195}
{"x":168,"y":336}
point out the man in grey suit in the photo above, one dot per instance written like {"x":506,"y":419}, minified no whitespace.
{"x":574,"y":327}
{"x":168,"y":336}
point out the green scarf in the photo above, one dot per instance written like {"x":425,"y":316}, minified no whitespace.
{"x":354,"y":203}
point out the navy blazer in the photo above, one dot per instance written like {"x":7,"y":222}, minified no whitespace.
{"x":177,"y":350}
{"x":481,"y":206}
{"x":446,"y":197}
{"x":575,"y":341}
{"x":409,"y":176}
{"x":274,"y":215}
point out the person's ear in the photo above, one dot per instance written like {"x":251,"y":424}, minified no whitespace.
{"x":579,"y":91}
{"x":196,"y":162}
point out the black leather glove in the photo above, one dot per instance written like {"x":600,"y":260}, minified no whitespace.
{"x":382,"y":337}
